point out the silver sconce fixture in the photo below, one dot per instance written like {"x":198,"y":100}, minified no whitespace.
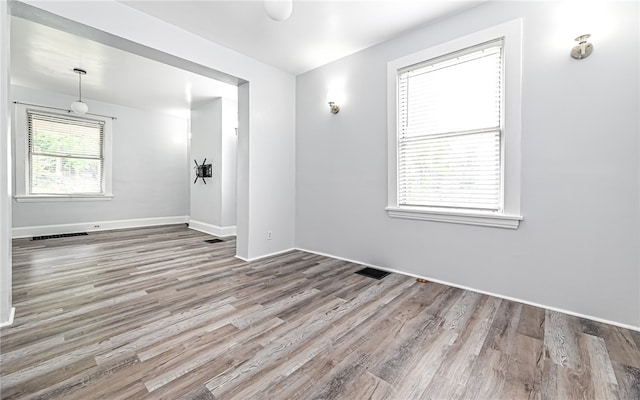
{"x":79,"y":107}
{"x":583,"y":49}
{"x":333,"y":108}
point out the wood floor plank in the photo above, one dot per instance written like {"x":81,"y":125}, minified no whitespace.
{"x":292,"y":378}
{"x":455,"y":370}
{"x":414,"y":339}
{"x":88,"y":383}
{"x":628,"y":379}
{"x":280,"y":346}
{"x":488,"y":378}
{"x":603,"y":377}
{"x":157,"y":313}
{"x":532,"y":322}
{"x":560,"y":341}
{"x":620,"y":342}
{"x":368,"y":386}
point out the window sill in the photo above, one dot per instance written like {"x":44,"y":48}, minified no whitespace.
{"x":457,"y":217}
{"x":74,"y":197}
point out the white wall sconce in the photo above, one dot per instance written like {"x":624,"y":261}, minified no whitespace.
{"x":583,"y":49}
{"x":336,"y":94}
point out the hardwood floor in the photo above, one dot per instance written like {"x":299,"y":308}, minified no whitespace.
{"x":156,"y":313}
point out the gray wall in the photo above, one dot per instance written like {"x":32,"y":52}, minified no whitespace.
{"x":206,"y":142}
{"x":266,"y":138}
{"x":228,"y":172}
{"x":149,"y":168}
{"x":5,"y":170}
{"x":577,"y":248}
{"x":213,"y":137}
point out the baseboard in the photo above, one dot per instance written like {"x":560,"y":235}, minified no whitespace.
{"x":29,"y":231}
{"x":214,"y":230}
{"x":277,"y":253}
{"x":550,"y":308}
{"x":12,"y":314}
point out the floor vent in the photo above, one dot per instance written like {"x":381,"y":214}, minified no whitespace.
{"x":373,"y":273}
{"x":62,"y":235}
{"x":214,"y":240}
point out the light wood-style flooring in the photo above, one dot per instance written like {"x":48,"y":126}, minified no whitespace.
{"x":156,"y":313}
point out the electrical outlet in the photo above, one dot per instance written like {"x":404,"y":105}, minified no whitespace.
{"x":96,"y":226}
{"x":269,"y":235}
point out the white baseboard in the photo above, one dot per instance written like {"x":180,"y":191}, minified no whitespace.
{"x":265,"y":256}
{"x":29,"y":231}
{"x":550,"y":308}
{"x":214,"y":230}
{"x":12,"y":314}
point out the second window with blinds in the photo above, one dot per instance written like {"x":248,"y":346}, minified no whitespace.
{"x":454,"y":131}
{"x":66,"y":155}
{"x":61,"y":157}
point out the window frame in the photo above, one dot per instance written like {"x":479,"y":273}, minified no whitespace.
{"x":509,"y":216}
{"x":22,"y":186}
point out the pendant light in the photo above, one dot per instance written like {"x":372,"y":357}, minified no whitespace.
{"x":79,"y":107}
{"x":278,"y":10}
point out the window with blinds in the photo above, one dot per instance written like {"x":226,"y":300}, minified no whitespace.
{"x":66,"y":155}
{"x":450,"y":130}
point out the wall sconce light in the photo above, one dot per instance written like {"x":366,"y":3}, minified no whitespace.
{"x":583,"y":49}
{"x":333,"y":108}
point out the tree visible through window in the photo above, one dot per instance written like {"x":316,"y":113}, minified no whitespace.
{"x":66,"y":154}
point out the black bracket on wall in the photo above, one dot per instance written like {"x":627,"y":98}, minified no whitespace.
{"x":203,"y":171}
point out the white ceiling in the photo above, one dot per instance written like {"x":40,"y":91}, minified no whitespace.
{"x":317,"y":33}
{"x":44,"y":58}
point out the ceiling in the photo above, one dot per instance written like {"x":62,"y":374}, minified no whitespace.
{"x":317,"y":33}
{"x":44,"y":58}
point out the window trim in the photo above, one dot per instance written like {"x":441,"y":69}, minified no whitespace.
{"x":22,"y":160}
{"x":510,"y":216}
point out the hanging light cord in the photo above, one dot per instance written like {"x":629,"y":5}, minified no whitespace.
{"x":80,"y":86}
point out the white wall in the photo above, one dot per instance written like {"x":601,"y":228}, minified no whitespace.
{"x":266,"y":201}
{"x":5,"y":170}
{"x":228,"y":171}
{"x":149,"y":169}
{"x":242,"y":169}
{"x":577,"y":248}
{"x":206,"y":142}
{"x":213,"y":204}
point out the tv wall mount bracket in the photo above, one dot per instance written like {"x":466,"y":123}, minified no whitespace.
{"x":202,"y":171}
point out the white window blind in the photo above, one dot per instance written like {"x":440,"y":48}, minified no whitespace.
{"x":449,"y":138}
{"x":66,"y":155}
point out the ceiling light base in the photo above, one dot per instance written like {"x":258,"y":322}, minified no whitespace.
{"x":278,"y":10}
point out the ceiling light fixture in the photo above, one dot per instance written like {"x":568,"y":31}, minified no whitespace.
{"x":333,"y":108}
{"x":79,"y":107}
{"x":278,"y":10}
